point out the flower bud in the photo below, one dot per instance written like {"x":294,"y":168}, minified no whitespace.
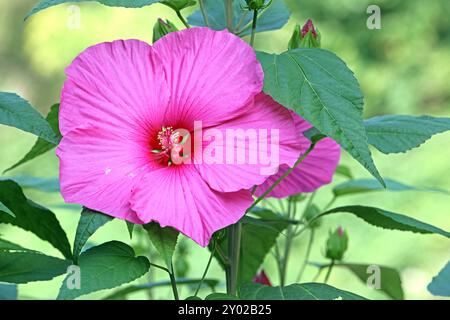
{"x":305,"y":37}
{"x":178,"y":5}
{"x":162,"y":28}
{"x":262,"y":279}
{"x":336,"y":244}
{"x":257,"y":4}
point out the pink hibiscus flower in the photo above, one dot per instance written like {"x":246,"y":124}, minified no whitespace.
{"x":130,"y":143}
{"x":314,"y":171}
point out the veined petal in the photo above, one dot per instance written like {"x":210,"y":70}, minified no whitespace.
{"x":316,"y":170}
{"x":118,"y":85}
{"x":211,"y":75}
{"x":251,"y":146}
{"x":100,"y":169}
{"x":178,"y":197}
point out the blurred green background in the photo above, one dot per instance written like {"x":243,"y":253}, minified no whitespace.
{"x":402,"y":68}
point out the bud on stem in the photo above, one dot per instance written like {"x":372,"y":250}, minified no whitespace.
{"x":305,"y":37}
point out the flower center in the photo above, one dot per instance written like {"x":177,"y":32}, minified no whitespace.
{"x":171,"y":145}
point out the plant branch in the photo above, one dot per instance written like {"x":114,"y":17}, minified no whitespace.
{"x":254,"y":22}
{"x":234,"y":253}
{"x":180,"y":16}
{"x":308,"y":253}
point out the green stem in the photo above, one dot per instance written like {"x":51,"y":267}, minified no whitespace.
{"x":180,"y":16}
{"x":204,"y":14}
{"x":330,"y":267}
{"x":206,"y":269}
{"x":229,"y":14}
{"x":173,"y":282}
{"x":159,"y":267}
{"x":269,"y":190}
{"x":234,"y":252}
{"x":308,"y":253}
{"x":287,"y":246}
{"x":255,"y":20}
{"x":329,"y":204}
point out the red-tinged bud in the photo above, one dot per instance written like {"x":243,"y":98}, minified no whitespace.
{"x":307,"y":27}
{"x":262,"y":279}
{"x":305,"y":37}
{"x":337,"y":244}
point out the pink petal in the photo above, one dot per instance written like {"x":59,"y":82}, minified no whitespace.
{"x":211,"y":75}
{"x":316,"y":170}
{"x":118,"y":85}
{"x":178,"y":197}
{"x":99,"y":169}
{"x":264,"y":117}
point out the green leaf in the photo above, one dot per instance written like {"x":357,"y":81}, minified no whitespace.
{"x":272,"y":18}
{"x":41,"y":146}
{"x":257,"y":240}
{"x":20,"y":265}
{"x":32,"y":217}
{"x":6,"y":210}
{"x":323,"y":90}
{"x":106,"y":266}
{"x":164,"y":240}
{"x":90,"y":221}
{"x":122,"y":293}
{"x":111,"y":3}
{"x":344,"y":171}
{"x":8,"y":291}
{"x":130,"y":228}
{"x":388,"y":220}
{"x":305,"y":291}
{"x":221,"y":296}
{"x":18,"y":113}
{"x":400,"y":133}
{"x":440,"y":285}
{"x":40,"y":184}
{"x":369,"y":185}
{"x":390,"y":281}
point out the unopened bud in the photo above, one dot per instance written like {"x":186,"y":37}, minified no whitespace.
{"x":262,"y":279}
{"x":305,"y":37}
{"x":162,"y":28}
{"x":336,"y":244}
{"x":257,"y":4}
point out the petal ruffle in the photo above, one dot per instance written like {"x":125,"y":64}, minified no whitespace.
{"x":178,"y":197}
{"x":269,"y":139}
{"x":211,"y":75}
{"x":316,"y":170}
{"x":100,"y":169}
{"x":118,"y":85}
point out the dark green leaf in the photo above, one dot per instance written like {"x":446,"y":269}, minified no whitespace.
{"x":368,"y":185}
{"x":257,"y":240}
{"x":32,"y":217}
{"x":18,"y":113}
{"x":112,"y":3}
{"x":41,"y":146}
{"x":305,"y":291}
{"x":390,"y":281}
{"x":20,"y":265}
{"x":221,"y":296}
{"x":388,"y":220}
{"x":89,"y":222}
{"x":6,"y":210}
{"x":272,"y":18}
{"x":440,"y":285}
{"x":164,"y":240}
{"x":400,"y":133}
{"x":40,"y":184}
{"x":121,"y":293}
{"x":8,"y":291}
{"x":105,"y":267}
{"x":323,"y":90}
